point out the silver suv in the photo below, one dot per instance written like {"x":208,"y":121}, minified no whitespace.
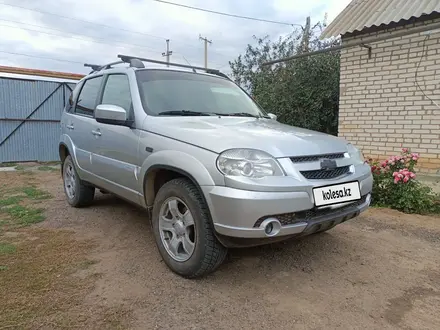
{"x":212,"y":167}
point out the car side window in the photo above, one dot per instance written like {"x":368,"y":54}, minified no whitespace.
{"x":72,"y":97}
{"x":88,"y":96}
{"x":117,"y":91}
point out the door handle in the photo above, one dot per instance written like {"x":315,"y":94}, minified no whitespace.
{"x":96,"y":133}
{"x":70,"y":127}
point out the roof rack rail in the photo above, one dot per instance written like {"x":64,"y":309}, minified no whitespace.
{"x":136,"y":62}
{"x":131,"y":59}
{"x":97,"y":67}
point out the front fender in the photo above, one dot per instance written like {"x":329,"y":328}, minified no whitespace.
{"x":180,"y":161}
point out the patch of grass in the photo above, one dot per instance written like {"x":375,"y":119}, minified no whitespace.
{"x":35,"y":193}
{"x":47,"y":168}
{"x":6,"y":248}
{"x":15,"y":205}
{"x":10,"y":201}
{"x":8,"y":164}
{"x":37,"y":287}
{"x":19,"y":167}
{"x":25,"y":216}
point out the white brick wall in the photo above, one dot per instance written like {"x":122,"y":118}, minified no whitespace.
{"x":381,"y":109}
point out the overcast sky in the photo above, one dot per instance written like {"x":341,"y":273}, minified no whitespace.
{"x":140,"y":27}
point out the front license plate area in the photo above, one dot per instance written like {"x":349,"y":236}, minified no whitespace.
{"x":338,"y":193}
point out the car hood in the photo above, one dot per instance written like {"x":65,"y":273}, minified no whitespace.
{"x":221,"y":133}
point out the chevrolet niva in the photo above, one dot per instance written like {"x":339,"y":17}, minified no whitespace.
{"x":213,"y":169}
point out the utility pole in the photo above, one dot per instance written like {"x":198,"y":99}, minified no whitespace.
{"x":168,"y":53}
{"x":206,"y":49}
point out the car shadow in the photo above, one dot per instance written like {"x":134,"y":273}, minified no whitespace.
{"x":305,"y":255}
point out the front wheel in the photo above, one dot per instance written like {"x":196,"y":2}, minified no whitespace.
{"x":183,"y":230}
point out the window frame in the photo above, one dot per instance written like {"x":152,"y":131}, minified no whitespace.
{"x":73,"y":96}
{"x":130,"y":112}
{"x":97,"y":97}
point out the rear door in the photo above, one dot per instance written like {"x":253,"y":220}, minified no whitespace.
{"x":116,"y":154}
{"x":81,"y":122}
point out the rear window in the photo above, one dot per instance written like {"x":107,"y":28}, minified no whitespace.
{"x":166,"y":90}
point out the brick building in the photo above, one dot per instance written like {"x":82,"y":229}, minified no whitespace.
{"x":390,"y":89}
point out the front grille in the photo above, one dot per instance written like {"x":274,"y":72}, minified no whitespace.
{"x":306,"y":216}
{"x":326,"y":174}
{"x":315,"y":158}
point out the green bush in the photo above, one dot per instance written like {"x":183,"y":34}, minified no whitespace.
{"x":302,"y":92}
{"x":395,"y":185}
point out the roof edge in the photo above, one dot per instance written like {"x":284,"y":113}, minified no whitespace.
{"x":41,"y":73}
{"x":361,"y":15}
{"x":383,"y":27}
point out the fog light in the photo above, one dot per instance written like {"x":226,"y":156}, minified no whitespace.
{"x":268,"y":229}
{"x":271,"y":226}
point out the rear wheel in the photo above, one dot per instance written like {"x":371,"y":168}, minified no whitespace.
{"x":77,"y":192}
{"x":183,"y":230}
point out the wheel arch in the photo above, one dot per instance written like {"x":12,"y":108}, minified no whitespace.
{"x":159,"y":174}
{"x":171,"y":164}
{"x":63,"y":151}
{"x":150,"y":190}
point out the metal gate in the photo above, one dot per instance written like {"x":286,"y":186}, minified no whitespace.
{"x":30,"y":113}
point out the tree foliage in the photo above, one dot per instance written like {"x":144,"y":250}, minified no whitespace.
{"x":302,"y":92}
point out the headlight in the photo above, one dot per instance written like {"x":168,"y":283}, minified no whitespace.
{"x":355,"y":154}
{"x":249,"y":163}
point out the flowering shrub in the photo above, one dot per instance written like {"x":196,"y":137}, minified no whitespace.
{"x":395,"y":185}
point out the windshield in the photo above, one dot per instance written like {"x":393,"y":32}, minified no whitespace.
{"x":171,"y":92}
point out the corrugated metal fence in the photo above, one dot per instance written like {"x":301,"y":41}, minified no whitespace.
{"x":30,"y":112}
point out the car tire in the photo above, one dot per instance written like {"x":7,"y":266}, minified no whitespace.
{"x":207,"y":252}
{"x":78,"y":194}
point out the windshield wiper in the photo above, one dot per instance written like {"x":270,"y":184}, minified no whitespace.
{"x":240,"y":114}
{"x":185,"y":113}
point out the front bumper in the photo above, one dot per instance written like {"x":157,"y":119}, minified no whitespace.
{"x":239,"y":213}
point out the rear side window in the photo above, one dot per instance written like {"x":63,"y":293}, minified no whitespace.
{"x":117,"y":91}
{"x":88,"y":96}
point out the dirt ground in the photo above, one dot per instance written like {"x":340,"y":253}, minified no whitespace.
{"x":100,"y":269}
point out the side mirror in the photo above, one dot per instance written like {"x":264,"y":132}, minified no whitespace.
{"x":272,"y":116}
{"x":110,"y":114}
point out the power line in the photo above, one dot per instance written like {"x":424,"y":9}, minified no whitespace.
{"x":81,"y":20}
{"x":97,"y":24}
{"x":105,"y":41}
{"x":41,"y":57}
{"x":111,"y":43}
{"x":58,"y":59}
{"x":226,"y":14}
